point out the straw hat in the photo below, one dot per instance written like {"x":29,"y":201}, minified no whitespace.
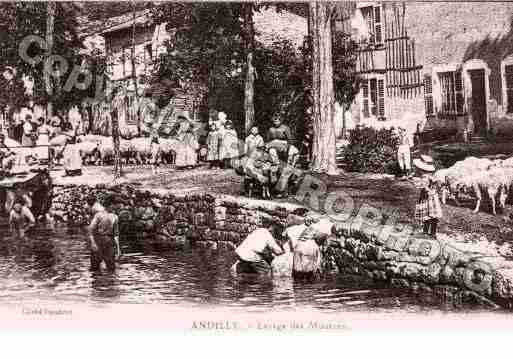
{"x":424,"y":163}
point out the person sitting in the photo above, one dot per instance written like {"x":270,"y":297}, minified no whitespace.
{"x":279,"y":131}
{"x":280,"y":138}
{"x":251,"y":252}
{"x":21,"y":219}
{"x":253,"y":141}
{"x":229,"y":146}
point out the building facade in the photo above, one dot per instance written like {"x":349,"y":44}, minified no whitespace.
{"x":444,"y":67}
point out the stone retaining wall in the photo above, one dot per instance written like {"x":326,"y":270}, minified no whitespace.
{"x":457,"y":271}
{"x":170,"y":219}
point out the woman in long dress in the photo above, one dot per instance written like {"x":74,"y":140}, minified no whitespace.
{"x":229,"y":148}
{"x":43,"y":140}
{"x":72,"y":158}
{"x":187,"y":156}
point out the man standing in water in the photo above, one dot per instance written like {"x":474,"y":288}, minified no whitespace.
{"x":251,"y":251}
{"x":104,"y":238}
{"x":21,"y":219}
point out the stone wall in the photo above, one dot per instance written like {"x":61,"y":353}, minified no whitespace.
{"x":454,"y":270}
{"x":170,"y":219}
{"x":460,"y":272}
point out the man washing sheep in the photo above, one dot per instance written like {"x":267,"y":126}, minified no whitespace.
{"x":252,"y":251}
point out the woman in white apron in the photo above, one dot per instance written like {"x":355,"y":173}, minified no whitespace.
{"x":72,"y":158}
{"x":229,"y":148}
{"x":44,"y":133}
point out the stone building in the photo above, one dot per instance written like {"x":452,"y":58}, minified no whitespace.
{"x":444,"y":67}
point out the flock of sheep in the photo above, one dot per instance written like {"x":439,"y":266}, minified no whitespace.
{"x":99,"y":150}
{"x":477,"y":176}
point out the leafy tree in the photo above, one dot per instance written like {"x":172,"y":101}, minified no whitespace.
{"x":21,"y":19}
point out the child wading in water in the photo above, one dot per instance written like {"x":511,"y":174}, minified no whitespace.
{"x":428,"y":209}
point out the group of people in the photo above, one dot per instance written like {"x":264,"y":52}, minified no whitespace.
{"x":222,"y":141}
{"x":299,"y":245}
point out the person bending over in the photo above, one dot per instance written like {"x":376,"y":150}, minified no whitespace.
{"x":252,"y":251}
{"x":21,"y":219}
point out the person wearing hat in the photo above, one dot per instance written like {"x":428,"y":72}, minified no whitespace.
{"x":28,"y":132}
{"x":403,"y":153}
{"x":186,"y":155}
{"x":43,"y":140}
{"x":428,"y":209}
{"x":229,"y":146}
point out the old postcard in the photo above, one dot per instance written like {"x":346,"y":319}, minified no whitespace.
{"x":256,"y":166}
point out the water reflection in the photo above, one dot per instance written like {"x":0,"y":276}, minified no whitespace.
{"x":55,"y":264}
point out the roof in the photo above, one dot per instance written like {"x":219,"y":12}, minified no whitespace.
{"x":102,"y":27}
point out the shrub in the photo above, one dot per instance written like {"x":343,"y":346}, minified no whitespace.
{"x":371,"y":150}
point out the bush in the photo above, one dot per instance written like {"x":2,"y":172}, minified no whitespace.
{"x":371,"y":150}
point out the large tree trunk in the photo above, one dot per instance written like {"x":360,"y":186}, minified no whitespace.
{"x":323,"y":151}
{"x":115,"y":139}
{"x":249,"y":86}
{"x":50,"y":19}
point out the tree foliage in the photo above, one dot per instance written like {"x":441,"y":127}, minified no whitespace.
{"x":21,"y":19}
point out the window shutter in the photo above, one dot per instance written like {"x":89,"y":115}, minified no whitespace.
{"x":458,"y":89}
{"x":381,"y":98}
{"x":365,"y":94}
{"x":377,"y":25}
{"x":373,"y":96}
{"x":509,"y":87}
{"x":428,"y":95}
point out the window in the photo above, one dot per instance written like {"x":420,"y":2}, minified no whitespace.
{"x":365,"y":94}
{"x":428,"y":95}
{"x":451,"y":86}
{"x":508,"y":73}
{"x":373,"y":18}
{"x":373,"y":98}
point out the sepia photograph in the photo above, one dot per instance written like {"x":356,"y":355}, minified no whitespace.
{"x":256,"y":166}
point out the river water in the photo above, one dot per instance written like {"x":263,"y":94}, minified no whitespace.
{"x":53,"y":264}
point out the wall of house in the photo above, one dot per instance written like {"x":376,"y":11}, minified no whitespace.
{"x":454,"y":33}
{"x":116,"y":41}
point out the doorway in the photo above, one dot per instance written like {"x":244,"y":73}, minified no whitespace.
{"x":478,"y":108}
